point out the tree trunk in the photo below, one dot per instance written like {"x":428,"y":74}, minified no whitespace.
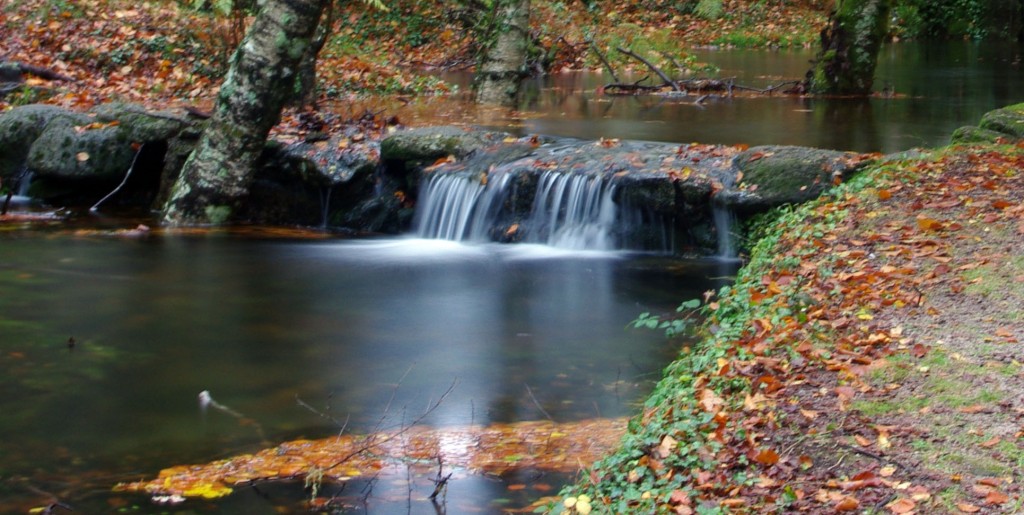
{"x":305,"y":86}
{"x":849,"y":48}
{"x":503,"y":60}
{"x":215,"y":179}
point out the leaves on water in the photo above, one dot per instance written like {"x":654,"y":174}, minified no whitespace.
{"x":493,"y":450}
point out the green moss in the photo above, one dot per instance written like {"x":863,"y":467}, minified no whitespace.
{"x":217,"y":215}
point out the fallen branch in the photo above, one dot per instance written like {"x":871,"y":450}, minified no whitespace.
{"x":604,"y":61}
{"x":373,"y":442}
{"x":13,"y":72}
{"x":655,"y":69}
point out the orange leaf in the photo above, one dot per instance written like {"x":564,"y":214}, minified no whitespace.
{"x":967,"y":508}
{"x":995,"y":497}
{"x":767,"y":457}
{"x":884,"y":195}
{"x":847,"y":504}
{"x":928,"y":224}
{"x":988,"y":444}
{"x":901,"y":506}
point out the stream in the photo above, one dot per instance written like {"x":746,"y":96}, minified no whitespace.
{"x":107,"y":341}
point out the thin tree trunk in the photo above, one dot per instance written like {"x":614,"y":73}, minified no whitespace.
{"x":305,"y":87}
{"x":503,"y":63}
{"x":849,"y":48}
{"x":216,"y":177}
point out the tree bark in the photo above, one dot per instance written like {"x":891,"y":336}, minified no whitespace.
{"x":503,"y":60}
{"x":849,"y":48}
{"x":305,"y":85}
{"x":216,"y":177}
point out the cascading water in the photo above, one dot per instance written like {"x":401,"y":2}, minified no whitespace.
{"x":459,"y":207}
{"x":569,"y":210}
{"x":574,"y":211}
{"x":724,"y":220}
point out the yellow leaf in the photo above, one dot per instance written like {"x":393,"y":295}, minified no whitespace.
{"x":207,"y":491}
{"x":82,"y":157}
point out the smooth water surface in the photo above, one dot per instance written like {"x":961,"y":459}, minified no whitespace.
{"x":342,"y":325}
{"x":937,"y":88}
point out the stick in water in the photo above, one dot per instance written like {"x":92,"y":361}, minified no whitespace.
{"x":206,"y":401}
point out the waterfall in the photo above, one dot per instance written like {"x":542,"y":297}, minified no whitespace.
{"x":569,"y":210}
{"x":574,"y":211}
{"x":24,"y":181}
{"x":724,"y":220}
{"x":459,"y":207}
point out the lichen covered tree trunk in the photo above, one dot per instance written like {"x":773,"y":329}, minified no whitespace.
{"x":305,"y":85}
{"x":849,"y":48}
{"x":216,"y":177}
{"x":505,"y":49}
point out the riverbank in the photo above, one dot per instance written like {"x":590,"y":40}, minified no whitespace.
{"x":164,"y":54}
{"x":867,"y":359}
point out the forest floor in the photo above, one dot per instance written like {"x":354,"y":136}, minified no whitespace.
{"x":164,"y":54}
{"x":869,"y":358}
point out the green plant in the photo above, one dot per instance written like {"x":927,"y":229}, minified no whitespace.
{"x":709,"y":9}
{"x":673,"y":326}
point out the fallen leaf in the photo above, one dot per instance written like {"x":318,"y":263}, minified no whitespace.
{"x":767,"y":457}
{"x":928,"y":224}
{"x":996,"y":497}
{"x":847,"y":503}
{"x":990,"y":443}
{"x":668,"y":445}
{"x":903,"y":505}
{"x":967,"y":508}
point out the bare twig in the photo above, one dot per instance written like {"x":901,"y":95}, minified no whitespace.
{"x":440,"y":482}
{"x":206,"y":401}
{"x":322,"y":414}
{"x":655,"y":69}
{"x":95,"y":207}
{"x":373,"y":441}
{"x":535,"y":403}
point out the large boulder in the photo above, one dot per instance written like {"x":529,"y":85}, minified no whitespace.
{"x":771,"y":176}
{"x":19,"y":127}
{"x":99,"y":146}
{"x":970,"y":135}
{"x":432,"y":143}
{"x":1008,"y":121}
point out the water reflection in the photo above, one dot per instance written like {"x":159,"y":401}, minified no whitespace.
{"x":938,"y":86}
{"x":371,"y":332}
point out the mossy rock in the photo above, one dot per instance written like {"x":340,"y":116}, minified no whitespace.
{"x":969,"y":135}
{"x":1008,"y":121}
{"x":431,"y":143}
{"x":19,"y":128}
{"x":139,"y":125}
{"x":776,"y":175}
{"x":65,"y":150}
